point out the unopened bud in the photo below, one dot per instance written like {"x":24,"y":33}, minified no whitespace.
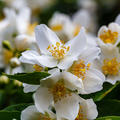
{"x":4,"y":79}
{"x":14,"y":62}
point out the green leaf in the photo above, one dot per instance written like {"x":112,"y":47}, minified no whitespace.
{"x":29,"y":78}
{"x":6,"y":115}
{"x":109,"y":118}
{"x":18,"y":107}
{"x":107,"y":89}
{"x":108,"y":107}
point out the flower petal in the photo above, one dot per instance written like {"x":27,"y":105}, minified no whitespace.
{"x":43,"y":99}
{"x":93,"y":81}
{"x":30,"y":88}
{"x":66,"y":62}
{"x":45,"y":37}
{"x":90,"y":54}
{"x":30,"y":113}
{"x":32,"y":57}
{"x":67,"y":107}
{"x":72,"y":82}
{"x":89,"y":108}
{"x":77,"y":44}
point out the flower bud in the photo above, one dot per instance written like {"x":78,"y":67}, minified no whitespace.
{"x":14,"y":62}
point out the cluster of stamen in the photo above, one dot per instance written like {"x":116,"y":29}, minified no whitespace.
{"x":57,"y":27}
{"x":8,"y":54}
{"x":111,"y":67}
{"x":81,"y":115}
{"x":59,"y":91}
{"x":58,"y":51}
{"x":37,"y":68}
{"x":79,"y":69}
{"x":109,"y":37}
{"x":45,"y":117}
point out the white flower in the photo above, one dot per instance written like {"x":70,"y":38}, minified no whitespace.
{"x":39,"y":4}
{"x":92,"y":79}
{"x":109,"y":35}
{"x":87,"y":110}
{"x":67,"y":28}
{"x":16,"y":4}
{"x":109,"y":63}
{"x":57,"y":90}
{"x":53,"y":52}
{"x":62,"y":25}
{"x":31,"y":113}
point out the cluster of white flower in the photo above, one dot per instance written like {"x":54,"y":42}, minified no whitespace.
{"x":78,"y":62}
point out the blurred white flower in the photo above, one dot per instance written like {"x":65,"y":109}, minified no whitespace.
{"x":109,"y":63}
{"x":62,"y":25}
{"x":109,"y":35}
{"x":92,"y":79}
{"x":53,"y":51}
{"x":39,"y":4}
{"x":67,"y":28}
{"x":31,"y":113}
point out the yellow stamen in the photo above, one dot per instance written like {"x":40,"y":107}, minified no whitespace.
{"x":37,"y":68}
{"x":45,"y":116}
{"x":79,"y":69}
{"x":111,"y":67}
{"x":58,"y":51}
{"x":59,"y":91}
{"x":109,"y":37}
{"x":31,"y":28}
{"x":57,"y":27}
{"x":77,"y":30}
{"x":7,"y":55}
{"x":81,"y":115}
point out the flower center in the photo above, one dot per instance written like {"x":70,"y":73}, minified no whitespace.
{"x":31,"y":28}
{"x":81,"y":115}
{"x":59,"y":91}
{"x":79,"y":69}
{"x":7,"y":55}
{"x":76,"y":31}
{"x":37,"y":68}
{"x":45,"y":116}
{"x":58,"y":51}
{"x":109,"y":37}
{"x":57,"y":27}
{"x":111,"y":67}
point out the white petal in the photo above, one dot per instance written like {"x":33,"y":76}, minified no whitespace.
{"x":23,"y":20}
{"x":72,"y":82}
{"x":90,"y":54}
{"x":45,"y":37}
{"x":67,"y":107}
{"x":30,"y":113}
{"x":30,"y":88}
{"x":66,"y":62}
{"x":43,"y":99}
{"x":32,"y":57}
{"x":102,"y":30}
{"x":77,"y":44}
{"x":82,"y":17}
{"x":89,"y":108}
{"x":93,"y":81}
{"x":52,"y":79}
{"x":113,"y":79}
{"x":117,"y":20}
{"x":114,"y":27}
